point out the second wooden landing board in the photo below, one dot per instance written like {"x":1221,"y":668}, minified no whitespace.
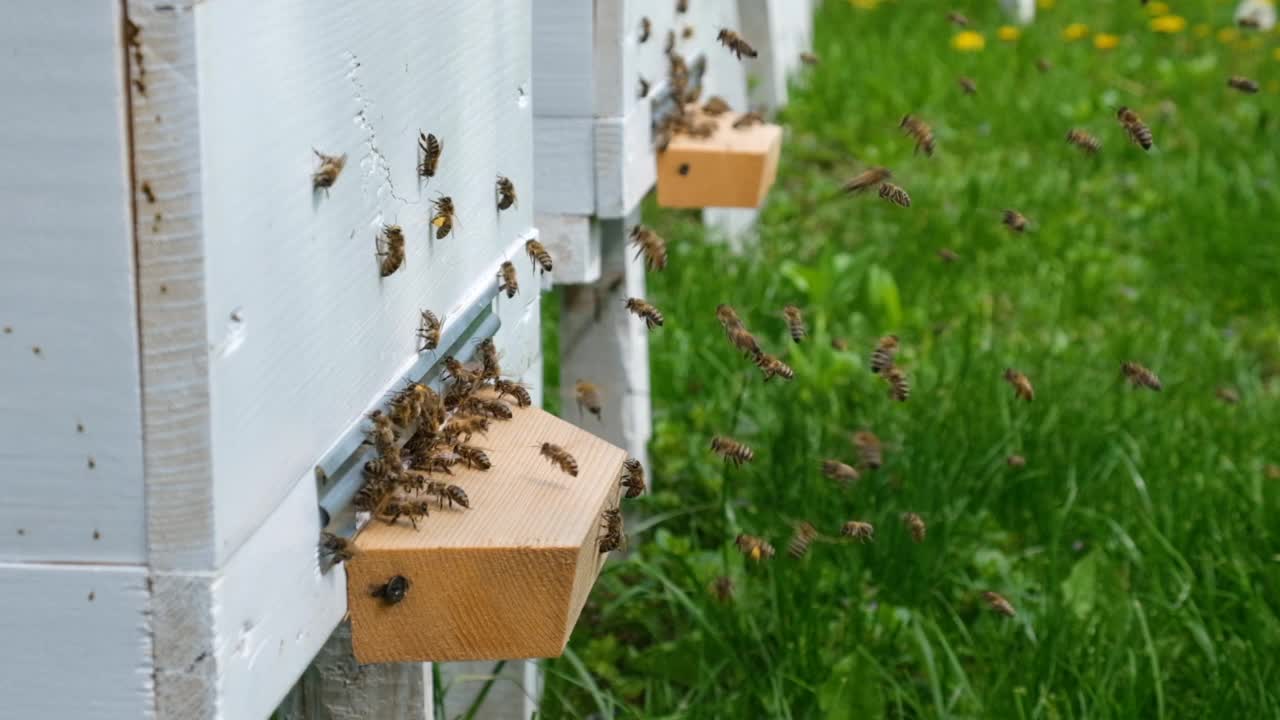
{"x":506,"y":578}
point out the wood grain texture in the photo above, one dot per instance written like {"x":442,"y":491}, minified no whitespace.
{"x":336,"y":687}
{"x":732,"y":168}
{"x":504,"y":579}
{"x":77,"y":641}
{"x":70,"y":398}
{"x":574,"y":243}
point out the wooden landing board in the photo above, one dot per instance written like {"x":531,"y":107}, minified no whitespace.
{"x":732,"y":168}
{"x":503,"y":579}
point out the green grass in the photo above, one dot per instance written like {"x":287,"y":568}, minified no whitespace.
{"x":1141,"y":542}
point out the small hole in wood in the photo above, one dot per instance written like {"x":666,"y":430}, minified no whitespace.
{"x":91,"y":596}
{"x":35,"y":350}
{"x":684,"y":169}
{"x":22,"y":531}
{"x":8,"y":330}
{"x":79,"y":427}
{"x":92,"y":463}
{"x":164,"y":289}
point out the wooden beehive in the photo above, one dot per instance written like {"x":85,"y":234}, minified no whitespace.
{"x":506,"y":578}
{"x":732,"y":168}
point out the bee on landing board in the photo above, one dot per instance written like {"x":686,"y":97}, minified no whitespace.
{"x":330,"y":168}
{"x":429,"y":327}
{"x":414,"y":510}
{"x":444,"y":216}
{"x":588,"y":397}
{"x":633,"y":478}
{"x":997,"y":603}
{"x":746,"y":120}
{"x":801,"y":539}
{"x":844,"y":474}
{"x":1140,"y":376}
{"x":1021,"y":385}
{"x":736,"y":44}
{"x":517,"y":391}
{"x":754,"y":547}
{"x":560,"y":458}
{"x":716,"y":105}
{"x":885,"y":351}
{"x":390,"y":249}
{"x":431,"y":148}
{"x":393,"y":590}
{"x":613,"y":537}
{"x":506,"y":192}
{"x":869,"y":449}
{"x":860,"y":531}
{"x":867,"y":179}
{"x":1087,"y":143}
{"x":795,"y":322}
{"x":338,"y":549}
{"x":918,"y":130}
{"x":731,"y":450}
{"x":1243,"y":84}
{"x":894,"y":194}
{"x":1135,"y":128}
{"x":1014,"y":220}
{"x":472,"y":457}
{"x":510,"y":279}
{"x":650,"y":314}
{"x":490,"y":369}
{"x":539,"y":255}
{"x":651,"y":246}
{"x":915,"y":525}
{"x":447,"y":492}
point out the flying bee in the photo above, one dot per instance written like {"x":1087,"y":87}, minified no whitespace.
{"x":1016,"y":461}
{"x":560,"y":458}
{"x":895,"y":195}
{"x":1087,"y":143}
{"x":430,"y":147}
{"x":869,"y":449}
{"x":390,"y":249}
{"x":490,"y":369}
{"x":613,"y":537}
{"x":651,"y":245}
{"x":716,"y":105}
{"x":510,"y":279}
{"x":1247,"y":22}
{"x":633,"y":478}
{"x":809,"y":58}
{"x":1043,"y":65}
{"x":736,"y":44}
{"x":999,"y":604}
{"x":444,"y":216}
{"x":411,"y":509}
{"x":899,"y":386}
{"x":1014,"y":220}
{"x":1243,"y":84}
{"x":731,"y":450}
{"x":746,"y":120}
{"x":643,"y":88}
{"x":839,"y":344}
{"x":957,"y":19}
{"x":860,"y":531}
{"x":795,"y":322}
{"x":338,"y":549}
{"x":918,"y":130}
{"x":538,"y":254}
{"x":429,"y":327}
{"x":884,"y":353}
{"x":1140,"y":376}
{"x":773,"y":367}
{"x":803,"y":536}
{"x":506,"y":192}
{"x":742,"y":339}
{"x":968,"y":85}
{"x":446,"y":492}
{"x":1227,"y":395}
{"x":844,"y":474}
{"x":1137,"y":130}
{"x":393,"y":590}
{"x":947,"y":255}
{"x":915,"y":524}
{"x":472,"y":457}
{"x":646,"y":28}
{"x":650,"y":314}
{"x":867,"y":179}
{"x":588,"y":396}
{"x":722,"y":588}
{"x":753,"y":547}
{"x":1021,"y":385}
{"x":728,"y":317}
{"x":516,"y":390}
{"x":330,"y":168}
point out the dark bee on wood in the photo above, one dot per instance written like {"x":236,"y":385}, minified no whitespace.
{"x":330,"y":168}
{"x":861,"y":531}
{"x":919,"y":131}
{"x":337,"y":549}
{"x":538,"y":254}
{"x":444,"y":216}
{"x":447,"y":493}
{"x":485,"y":407}
{"x":588,"y":397}
{"x":867,"y":179}
{"x":1140,"y":376}
{"x":650,"y":314}
{"x":613,"y":537}
{"x":506,"y":192}
{"x":795,"y":322}
{"x":651,"y":245}
{"x":1243,"y":84}
{"x":560,"y":458}
{"x":390,"y":249}
{"x":517,"y":391}
{"x":1135,"y":128}
{"x":431,"y":147}
{"x":510,"y":279}
{"x":736,"y":44}
{"x":801,"y":539}
{"x":633,"y":478}
{"x":844,"y":474}
{"x":1087,"y":143}
{"x":429,"y":327}
{"x":869,"y":449}
{"x":749,"y":119}
{"x":411,"y":509}
{"x":716,"y":105}
{"x":472,"y":457}
{"x":1014,"y":220}
{"x":731,"y":450}
{"x":455,"y":371}
{"x":895,"y":195}
{"x":393,"y":590}
{"x":754,"y":547}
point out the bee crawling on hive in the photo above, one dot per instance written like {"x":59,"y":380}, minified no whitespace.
{"x":538,"y":254}
{"x":429,"y":327}
{"x":510,"y":279}
{"x":731,"y":450}
{"x":517,"y":391}
{"x":431,"y":148}
{"x":588,"y":397}
{"x":646,"y":29}
{"x":338,"y":549}
{"x":642,"y":89}
{"x":390,"y":249}
{"x":560,"y":458}
{"x":614,"y":537}
{"x":754,"y":547}
{"x":749,"y":119}
{"x":472,"y":457}
{"x":489,"y":367}
{"x":651,"y":315}
{"x":444,"y":215}
{"x":633,"y":478}
{"x":330,"y":168}
{"x":411,"y":509}
{"x":736,"y":44}
{"x":393,"y":590}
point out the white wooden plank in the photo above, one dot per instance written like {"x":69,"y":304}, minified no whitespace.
{"x":574,"y":244}
{"x":564,"y":165}
{"x":562,"y":60}
{"x":781,"y":29}
{"x":616,"y":64}
{"x":72,"y":459}
{"x":625,"y":166}
{"x":77,"y":642}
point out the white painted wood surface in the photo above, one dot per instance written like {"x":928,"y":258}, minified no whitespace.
{"x":71,"y":458}
{"x":1263,"y":12}
{"x":336,"y":687}
{"x":781,"y":30}
{"x":574,"y":244}
{"x":1021,"y":11}
{"x":625,"y":164}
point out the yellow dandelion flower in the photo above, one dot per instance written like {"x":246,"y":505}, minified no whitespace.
{"x":864,"y":4}
{"x":1044,"y":4}
{"x":1156,"y":9}
{"x":1276,"y":54}
{"x":1105,"y":41}
{"x":1228,"y":35}
{"x":1075,"y":31}
{"x":1008,"y":33}
{"x":1169,"y":24}
{"x":1203,"y":30}
{"x":968,"y":41}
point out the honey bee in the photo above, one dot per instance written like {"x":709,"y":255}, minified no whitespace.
{"x":330,"y":168}
{"x":588,"y":396}
{"x":1043,"y":65}
{"x":643,"y":88}
{"x":425,"y":441}
{"x":1140,"y":376}
{"x":746,"y":120}
{"x":773,"y":367}
{"x":795,"y":322}
{"x":895,"y":195}
{"x":446,"y":492}
{"x":728,"y":317}
{"x":918,"y":130}
{"x":999,"y":604}
{"x":1243,"y":84}
{"x":899,"y":386}
{"x":803,"y":536}
{"x":1272,"y":471}
{"x":915,"y":524}
{"x":957,"y":19}
{"x":840,"y":472}
{"x":839,"y":344}
{"x":1227,"y":395}
{"x":1021,"y":385}
{"x":484,"y":407}
{"x":633,"y":478}
{"x":538,"y":254}
{"x":430,"y":147}
{"x":490,"y":369}
{"x":459,"y":373}
{"x":430,"y":464}
{"x":731,"y":450}
{"x":383,"y":433}
{"x":669,"y":45}
{"x":1014,"y":220}
{"x":869,"y":449}
{"x":338,"y":549}
{"x":702,"y":130}
{"x":947,"y":255}
{"x":867,"y":179}
{"x":393,"y":590}
{"x":444,"y":216}
{"x":968,"y":85}
{"x":472,"y":457}
{"x":1016,"y":461}
{"x":1137,"y":130}
{"x":860,"y":531}
{"x":651,"y":245}
{"x":686,"y":32}
{"x":404,"y":409}
{"x":429,"y":327}
{"x":371,"y":495}
{"x":390,"y":249}
{"x":650,"y":314}
{"x":742,"y":339}
{"x":646,"y":27}
{"x":510,"y":280}
{"x":1247,"y":22}
{"x":682,"y":6}
{"x":736,"y":44}
{"x":1087,"y":143}
{"x":464,"y":427}
{"x":381,"y":469}
{"x":560,"y":458}
{"x":722,"y":588}
{"x":506,"y":192}
{"x":613,"y":537}
{"x":882,"y":357}
{"x":516,"y":390}
{"x":753,"y":547}
{"x":411,"y":509}
{"x":716,"y":105}
{"x":809,"y":58}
